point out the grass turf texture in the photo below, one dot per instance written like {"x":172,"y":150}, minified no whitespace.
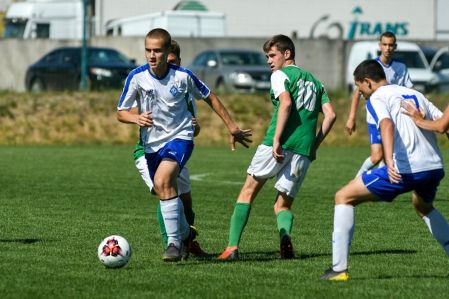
{"x":59,"y":202}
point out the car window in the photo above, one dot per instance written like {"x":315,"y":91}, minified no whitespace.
{"x":243,"y":58}
{"x":201,"y":59}
{"x":53,"y":57}
{"x":103,"y":56}
{"x":71,"y":56}
{"x":442,"y":62}
{"x":410,"y":58}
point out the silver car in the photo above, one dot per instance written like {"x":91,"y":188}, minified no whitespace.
{"x":232,"y":70}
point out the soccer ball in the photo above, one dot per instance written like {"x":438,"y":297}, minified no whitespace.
{"x":114,"y":252}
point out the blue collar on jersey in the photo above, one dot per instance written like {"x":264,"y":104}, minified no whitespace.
{"x":156,"y":77}
{"x":380,"y":61}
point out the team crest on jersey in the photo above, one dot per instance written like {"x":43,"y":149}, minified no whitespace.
{"x":150,"y":93}
{"x":174,"y":91}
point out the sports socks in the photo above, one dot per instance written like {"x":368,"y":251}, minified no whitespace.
{"x":439,"y":228}
{"x":285,"y":223}
{"x":342,"y":235}
{"x":367,"y":165}
{"x":238,"y":222}
{"x":190,"y":217}
{"x":175,"y":222}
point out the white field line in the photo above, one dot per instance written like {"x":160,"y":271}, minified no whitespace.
{"x":201,"y":178}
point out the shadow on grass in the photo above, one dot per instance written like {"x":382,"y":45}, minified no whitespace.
{"x":387,"y":277}
{"x":268,"y":256}
{"x":22,"y":241}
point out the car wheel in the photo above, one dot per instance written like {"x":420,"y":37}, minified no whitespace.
{"x":37,"y":86}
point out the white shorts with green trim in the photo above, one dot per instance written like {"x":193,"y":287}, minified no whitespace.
{"x":289,"y":173}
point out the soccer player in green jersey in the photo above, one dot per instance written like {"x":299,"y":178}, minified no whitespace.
{"x":289,"y":146}
{"x":174,"y":57}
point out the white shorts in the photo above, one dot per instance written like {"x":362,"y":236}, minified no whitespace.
{"x":183,"y":179}
{"x":289,"y":174}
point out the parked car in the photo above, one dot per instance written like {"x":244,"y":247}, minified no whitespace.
{"x":60,"y":69}
{"x":232,"y":70}
{"x":421,"y":74}
{"x":440,"y":66}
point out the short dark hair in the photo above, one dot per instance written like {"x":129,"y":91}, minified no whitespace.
{"x":282,"y":43}
{"x":370,"y":69}
{"x":389,"y":35}
{"x":175,"y":49}
{"x":162,"y":34}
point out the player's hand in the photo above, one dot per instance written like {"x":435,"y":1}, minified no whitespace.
{"x":410,"y":109}
{"x":145,"y":119}
{"x":196,"y":127}
{"x":350,"y":126}
{"x":393,"y":175}
{"x":278,"y":153}
{"x":242,"y":137}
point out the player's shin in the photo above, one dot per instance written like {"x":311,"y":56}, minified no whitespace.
{"x":342,"y":235}
{"x":160,"y":220}
{"x":439,"y":228}
{"x":238,"y":222}
{"x":171,"y":213}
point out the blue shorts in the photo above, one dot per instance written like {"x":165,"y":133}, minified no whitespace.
{"x":178,"y":150}
{"x":374,"y":134}
{"x":424,"y":183}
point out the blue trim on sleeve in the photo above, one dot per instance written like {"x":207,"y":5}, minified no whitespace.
{"x":200,"y":85}
{"x":131,"y":75}
{"x":413,"y":97}
{"x":371,"y":110}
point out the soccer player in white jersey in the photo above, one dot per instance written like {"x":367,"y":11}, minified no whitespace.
{"x":167,"y":131}
{"x":396,"y":73}
{"x":183,"y":181}
{"x":413,"y":163}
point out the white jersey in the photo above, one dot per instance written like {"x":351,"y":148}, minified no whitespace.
{"x":396,"y":73}
{"x":167,"y":99}
{"x":414,"y":149}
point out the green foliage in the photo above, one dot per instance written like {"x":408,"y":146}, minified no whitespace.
{"x":59,"y":202}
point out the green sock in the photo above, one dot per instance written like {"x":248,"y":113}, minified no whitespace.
{"x":238,"y":222}
{"x":190,"y":216}
{"x":285,"y":223}
{"x":160,"y":220}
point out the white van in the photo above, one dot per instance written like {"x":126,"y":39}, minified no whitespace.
{"x":44,"y":19}
{"x":422,"y":77}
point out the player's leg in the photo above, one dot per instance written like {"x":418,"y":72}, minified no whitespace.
{"x":289,"y":180}
{"x":422,"y":200}
{"x":142,"y":167}
{"x":240,"y":215}
{"x":354,"y":193}
{"x":375,"y":147}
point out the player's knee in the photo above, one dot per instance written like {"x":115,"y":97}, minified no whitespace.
{"x":341,"y":198}
{"x":422,"y":208}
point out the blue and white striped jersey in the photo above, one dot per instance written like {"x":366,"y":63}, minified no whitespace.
{"x":167,"y":99}
{"x":414,"y":149}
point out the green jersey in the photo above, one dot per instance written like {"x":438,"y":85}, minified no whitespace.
{"x":308,"y":95}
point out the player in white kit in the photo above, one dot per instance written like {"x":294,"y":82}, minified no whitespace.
{"x":413,"y":163}
{"x":396,"y":73}
{"x":160,"y":90}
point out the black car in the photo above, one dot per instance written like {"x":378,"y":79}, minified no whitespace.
{"x":60,"y":69}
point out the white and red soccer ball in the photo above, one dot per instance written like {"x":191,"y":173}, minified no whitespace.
{"x":114,"y":252}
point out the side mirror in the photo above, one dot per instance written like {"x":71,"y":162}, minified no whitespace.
{"x":211,"y":63}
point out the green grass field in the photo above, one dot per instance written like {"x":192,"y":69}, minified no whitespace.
{"x":58,"y":203}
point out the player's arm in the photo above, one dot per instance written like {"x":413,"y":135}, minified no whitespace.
{"x":386,"y":130}
{"x":351,"y":123}
{"x":238,"y":135}
{"x":285,"y":105}
{"x":328,"y":121}
{"x":196,"y":126}
{"x":440,"y":125}
{"x":131,"y":117}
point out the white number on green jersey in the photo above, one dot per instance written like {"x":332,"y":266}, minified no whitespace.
{"x":306,"y":95}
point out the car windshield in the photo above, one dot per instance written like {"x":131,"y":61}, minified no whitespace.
{"x":411,"y":59}
{"x":103,"y":56}
{"x":14,"y":28}
{"x":243,"y":58}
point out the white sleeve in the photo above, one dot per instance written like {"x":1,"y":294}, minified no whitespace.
{"x":378,"y":109}
{"x":277,"y":83}
{"x":128,"y":98}
{"x":197,"y":88}
{"x":407,"y":81}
